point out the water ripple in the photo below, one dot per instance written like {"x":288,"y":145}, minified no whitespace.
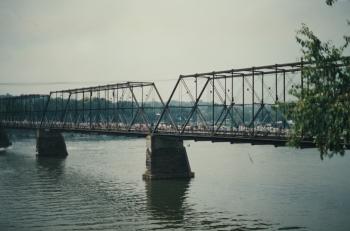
{"x":99,"y":187}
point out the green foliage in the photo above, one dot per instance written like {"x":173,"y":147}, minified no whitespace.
{"x":322,"y":111}
{"x":330,"y":2}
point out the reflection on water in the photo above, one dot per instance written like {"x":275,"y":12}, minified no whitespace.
{"x":52,"y":167}
{"x":165,"y":199}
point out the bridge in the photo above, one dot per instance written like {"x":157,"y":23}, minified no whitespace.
{"x":245,"y":105}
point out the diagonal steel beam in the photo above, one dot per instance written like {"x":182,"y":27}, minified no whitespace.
{"x":222,"y":121}
{"x":198,"y":111}
{"x":138,"y":108}
{"x":166,"y":107}
{"x":45,"y":110}
{"x":195,"y":105}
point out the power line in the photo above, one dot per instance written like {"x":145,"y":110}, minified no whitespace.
{"x":74,"y":82}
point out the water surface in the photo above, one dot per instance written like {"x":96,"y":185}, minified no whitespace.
{"x":236,"y":187}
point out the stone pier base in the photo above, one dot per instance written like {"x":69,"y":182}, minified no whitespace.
{"x":4,"y":139}
{"x":166,"y":158}
{"x":50,"y":144}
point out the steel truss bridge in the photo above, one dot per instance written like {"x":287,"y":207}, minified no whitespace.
{"x":237,"y":105}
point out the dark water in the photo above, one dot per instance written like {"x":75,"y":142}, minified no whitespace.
{"x":237,"y":187}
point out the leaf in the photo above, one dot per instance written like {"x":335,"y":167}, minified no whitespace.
{"x":322,"y":112}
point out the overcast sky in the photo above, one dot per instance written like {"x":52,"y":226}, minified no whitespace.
{"x":93,"y":42}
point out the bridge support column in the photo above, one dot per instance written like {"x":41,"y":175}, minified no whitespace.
{"x":4,"y":139}
{"x":50,"y":144}
{"x":166,"y":158}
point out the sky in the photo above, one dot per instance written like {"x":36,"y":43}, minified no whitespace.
{"x":53,"y":45}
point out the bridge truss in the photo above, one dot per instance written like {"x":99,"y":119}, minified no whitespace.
{"x":128,"y":108}
{"x":246,"y":104}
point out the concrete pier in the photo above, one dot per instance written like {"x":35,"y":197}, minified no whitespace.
{"x":166,"y":158}
{"x":50,"y":144}
{"x":4,"y":139}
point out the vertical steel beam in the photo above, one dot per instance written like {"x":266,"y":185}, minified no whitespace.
{"x":132,"y":104}
{"x":90,"y":111}
{"x":262,"y":96}
{"x":63,"y":116}
{"x":142,"y":96}
{"x":98,"y":116}
{"x":243,"y":91}
{"x":56,"y":107}
{"x":196,"y":81}
{"x":84,"y":107}
{"x":276,"y":100}
{"x":253,"y":92}
{"x":30,"y":103}
{"x":61,"y":107}
{"x":113,"y":105}
{"x":232,"y":101}
{"x":284,"y":99}
{"x":76,"y":114}
{"x":213,"y":104}
{"x":225,"y":95}
{"x":117,"y":107}
{"x":107,"y":106}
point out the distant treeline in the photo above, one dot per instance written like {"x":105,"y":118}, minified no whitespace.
{"x":102,"y":110}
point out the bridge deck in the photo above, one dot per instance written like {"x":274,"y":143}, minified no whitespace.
{"x":279,"y":138}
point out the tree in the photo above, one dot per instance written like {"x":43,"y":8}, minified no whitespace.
{"x":322,"y":111}
{"x":330,"y":2}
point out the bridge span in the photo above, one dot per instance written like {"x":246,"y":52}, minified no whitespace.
{"x":246,"y":105}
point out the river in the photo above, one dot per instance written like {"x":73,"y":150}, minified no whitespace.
{"x":236,"y":187}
